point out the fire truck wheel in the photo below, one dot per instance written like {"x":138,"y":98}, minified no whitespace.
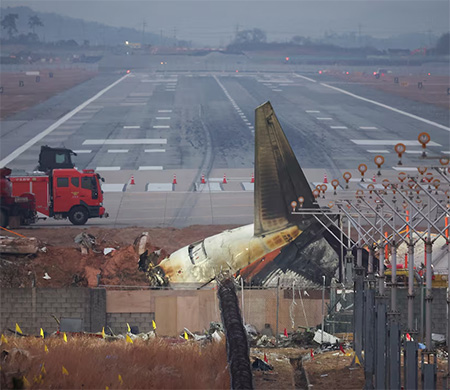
{"x":78,"y":215}
{"x":3,"y":218}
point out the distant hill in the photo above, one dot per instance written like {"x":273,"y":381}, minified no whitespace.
{"x":57,"y":27}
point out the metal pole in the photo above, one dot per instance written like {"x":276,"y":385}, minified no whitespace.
{"x":278,"y":306}
{"x":411,"y":284}
{"x":323,"y":308}
{"x":359,"y":305}
{"x":369,"y":325}
{"x":428,"y":295}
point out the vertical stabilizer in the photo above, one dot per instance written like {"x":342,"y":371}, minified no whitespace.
{"x":279,"y":180}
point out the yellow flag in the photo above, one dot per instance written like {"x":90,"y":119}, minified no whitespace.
{"x":43,"y":369}
{"x":65,"y":337}
{"x":103,"y":332}
{"x":18,"y":330}
{"x":128,"y":327}
{"x":129,"y":340}
{"x":154,"y":324}
{"x":357,"y":360}
{"x":42,"y":333}
{"x":186,"y":336}
{"x":45,"y":349}
{"x":4,"y":340}
{"x":25,"y":380}
{"x":120,"y":379}
{"x":64,"y":371}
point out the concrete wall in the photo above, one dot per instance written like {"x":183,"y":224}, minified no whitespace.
{"x":32,"y":308}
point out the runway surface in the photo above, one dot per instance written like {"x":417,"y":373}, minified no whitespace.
{"x":153,"y":124}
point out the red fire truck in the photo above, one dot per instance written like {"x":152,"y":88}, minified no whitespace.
{"x":61,"y":192}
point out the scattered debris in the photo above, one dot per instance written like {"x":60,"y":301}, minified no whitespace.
{"x":325,"y":338}
{"x":19,"y":245}
{"x":260,"y":365}
{"x":46,"y":276}
{"x":86,"y":241}
{"x":108,"y":250}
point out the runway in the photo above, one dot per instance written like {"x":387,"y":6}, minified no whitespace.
{"x":153,"y":125}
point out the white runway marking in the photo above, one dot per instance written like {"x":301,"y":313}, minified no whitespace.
{"x":277,"y":90}
{"x":312,"y":111}
{"x":125,"y":141}
{"x":150,"y":168}
{"x":159,"y":187}
{"x":389,"y":107}
{"x":163,"y":117}
{"x":388,"y":142}
{"x":132,"y":104}
{"x":81,"y":151}
{"x":338,"y":127}
{"x":367,"y":127}
{"x":446,"y":152}
{"x":164,"y":110}
{"x":413,"y":151}
{"x":324,"y":119}
{"x":236,"y":107}
{"x":378,"y":151}
{"x":110,"y":187}
{"x":55,"y":125}
{"x":410,"y":169}
{"x":132,"y":127}
{"x":107,"y":169}
{"x":154,"y":150}
{"x":161,"y":127}
{"x":117,"y":150}
{"x":304,"y":77}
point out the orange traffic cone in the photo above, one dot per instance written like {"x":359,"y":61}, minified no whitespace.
{"x":174,"y":179}
{"x":203,"y":179}
{"x":325,"y":180}
{"x":224,"y":179}
{"x":252,"y":180}
{"x":132,"y":180}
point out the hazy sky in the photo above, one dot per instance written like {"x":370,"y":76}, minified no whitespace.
{"x":215,"y":21}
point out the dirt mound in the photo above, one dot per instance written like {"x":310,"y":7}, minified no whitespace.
{"x":61,"y":259}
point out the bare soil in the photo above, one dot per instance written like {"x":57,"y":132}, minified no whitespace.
{"x":22,"y":91}
{"x":433,"y":89}
{"x":61,"y":258}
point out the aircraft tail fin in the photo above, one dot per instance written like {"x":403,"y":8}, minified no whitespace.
{"x":279,"y":180}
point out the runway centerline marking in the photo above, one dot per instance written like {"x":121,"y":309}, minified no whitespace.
{"x":161,"y":127}
{"x":125,"y":141}
{"x":368,"y":128}
{"x":389,"y":107}
{"x":324,"y":119}
{"x":378,"y":151}
{"x":132,"y":127}
{"x":117,"y":150}
{"x":55,"y":125}
{"x":154,"y":150}
{"x":164,"y":110}
{"x":82,"y":151}
{"x":162,"y":117}
{"x":312,"y":111}
{"x":338,"y":127}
